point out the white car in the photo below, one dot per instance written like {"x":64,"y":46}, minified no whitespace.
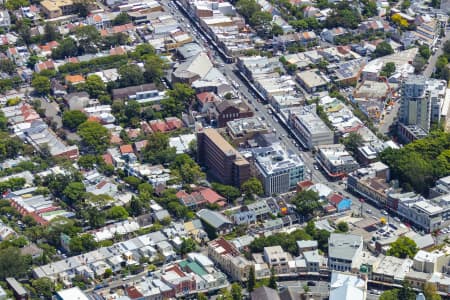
{"x":384,"y":212}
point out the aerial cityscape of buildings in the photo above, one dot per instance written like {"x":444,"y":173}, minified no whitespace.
{"x":214,"y":149}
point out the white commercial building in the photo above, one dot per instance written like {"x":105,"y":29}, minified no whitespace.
{"x":280,"y":170}
{"x":347,"y":287}
{"x":312,"y":130}
{"x":344,"y":251}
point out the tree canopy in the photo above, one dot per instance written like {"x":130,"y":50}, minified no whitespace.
{"x":343,"y":16}
{"x":353,"y":141}
{"x":12,"y":263}
{"x":158,"y":150}
{"x":388,"y":69}
{"x":403,"y":247}
{"x":94,"y":137}
{"x":420,"y":163}
{"x":252,"y":186}
{"x":41,"y":84}
{"x":121,"y":19}
{"x":307,"y":203}
{"x":383,"y":49}
{"x":130,"y":75}
{"x":71,"y":119}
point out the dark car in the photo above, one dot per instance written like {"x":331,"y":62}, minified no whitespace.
{"x":311,"y":283}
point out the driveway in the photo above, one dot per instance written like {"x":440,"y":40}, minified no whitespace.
{"x":51,"y":111}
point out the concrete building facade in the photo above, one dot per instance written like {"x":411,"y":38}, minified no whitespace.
{"x":222,"y":161}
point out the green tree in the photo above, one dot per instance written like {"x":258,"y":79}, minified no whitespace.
{"x":130,"y":75}
{"x":353,"y":141}
{"x":276,"y":30}
{"x":252,"y":186}
{"x":82,"y":243}
{"x":388,"y":69}
{"x":182,"y":93}
{"x":16,"y":4}
{"x":132,"y":109}
{"x":74,"y":192}
{"x":10,"y":147}
{"x":71,"y":119}
{"x":132,"y":181}
{"x":66,"y":48}
{"x":108,"y":273}
{"x":121,"y":19}
{"x":94,"y":137}
{"x":12,"y":263}
{"x":307,"y":202}
{"x":88,"y":38}
{"x":247,"y":7}
{"x":87,"y":161}
{"x":236,"y":291}
{"x":228,"y":191}
{"x":383,"y":49}
{"x":95,"y":86}
{"x":424,"y":51}
{"x":201,"y":296}
{"x":188,"y":245}
{"x":187,"y":169}
{"x":94,"y":217}
{"x":272,"y":279}
{"x":342,"y":226}
{"x":145,"y":187}
{"x":154,"y":68}
{"x":41,"y":84}
{"x":158,"y":150}
{"x":430,"y":291}
{"x":44,"y":287}
{"x":261,"y":21}
{"x":370,"y":8}
{"x":50,"y":33}
{"x":83,"y":7}
{"x":403,"y":247}
{"x":389,"y":295}
{"x":251,"y":281}
{"x":406,"y":4}
{"x":117,"y":213}
{"x":406,"y":292}
{"x":142,"y":51}
{"x":136,"y":207}
{"x":7,"y":66}
{"x":343,"y":16}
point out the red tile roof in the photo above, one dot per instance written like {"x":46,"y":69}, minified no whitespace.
{"x":74,"y":78}
{"x":158,"y":126}
{"x":13,"y":50}
{"x":133,"y":293}
{"x":335,"y":199}
{"x":94,"y":119}
{"x":115,"y":139}
{"x":174,"y":123}
{"x":140,"y":145}
{"x":107,"y":158}
{"x":125,"y":149}
{"x":117,"y":51}
{"x":305,"y":184}
{"x":206,"y":97}
{"x":146,"y":127}
{"x":73,"y":60}
{"x":101,"y":184}
{"x":181,"y":194}
{"x":97,"y":18}
{"x":210,"y":195}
